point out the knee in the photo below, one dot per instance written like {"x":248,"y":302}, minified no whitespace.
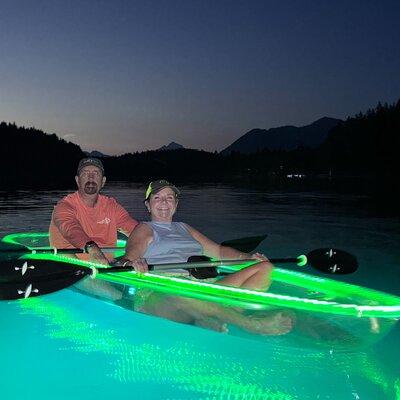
{"x":264,"y":267}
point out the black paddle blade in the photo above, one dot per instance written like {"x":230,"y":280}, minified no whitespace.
{"x":246,"y":244}
{"x":16,"y":269}
{"x":14,"y":290}
{"x":22,"y":278}
{"x":201,"y":273}
{"x":332,"y":261}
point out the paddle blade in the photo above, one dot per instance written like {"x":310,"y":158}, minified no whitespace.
{"x":201,"y":272}
{"x":332,"y":261}
{"x":14,"y":290}
{"x":22,"y":278}
{"x":246,"y":244}
{"x":28,"y":269}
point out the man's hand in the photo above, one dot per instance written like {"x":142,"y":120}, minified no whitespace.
{"x":96,"y":255}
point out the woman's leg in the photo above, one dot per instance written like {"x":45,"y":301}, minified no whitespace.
{"x":213,"y":316}
{"x":256,"y":277}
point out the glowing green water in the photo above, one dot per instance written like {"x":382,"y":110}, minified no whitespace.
{"x":67,"y":343}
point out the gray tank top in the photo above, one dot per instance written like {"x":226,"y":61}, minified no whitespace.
{"x":171,"y":243}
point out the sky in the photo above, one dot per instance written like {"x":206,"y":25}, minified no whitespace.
{"x":125,"y":76}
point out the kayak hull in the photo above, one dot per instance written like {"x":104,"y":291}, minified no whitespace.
{"x":325,"y":312}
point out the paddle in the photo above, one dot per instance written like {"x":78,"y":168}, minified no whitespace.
{"x":326,"y":260}
{"x":34,"y":276}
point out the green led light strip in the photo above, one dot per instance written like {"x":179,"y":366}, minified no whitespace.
{"x":22,"y":239}
{"x":344,"y":299}
{"x":386,"y":306}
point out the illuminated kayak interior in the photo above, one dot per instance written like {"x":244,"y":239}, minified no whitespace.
{"x":335,"y":312}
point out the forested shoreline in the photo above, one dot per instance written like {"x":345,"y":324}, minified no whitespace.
{"x":359,"y":155}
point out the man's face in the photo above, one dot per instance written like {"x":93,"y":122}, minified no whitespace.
{"x":90,"y":180}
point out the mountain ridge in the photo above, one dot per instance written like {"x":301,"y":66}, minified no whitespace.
{"x":171,"y":146}
{"x":287,"y":137}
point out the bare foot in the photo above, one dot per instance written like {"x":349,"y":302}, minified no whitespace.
{"x":212,"y":323}
{"x":273,"y":323}
{"x":324,"y":330}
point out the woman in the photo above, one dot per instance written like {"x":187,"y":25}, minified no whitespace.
{"x":164,"y":241}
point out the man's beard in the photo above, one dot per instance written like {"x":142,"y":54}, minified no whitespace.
{"x":90,"y":188}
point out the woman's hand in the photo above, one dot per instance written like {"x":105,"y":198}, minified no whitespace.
{"x":139,"y":265}
{"x":259,"y":256}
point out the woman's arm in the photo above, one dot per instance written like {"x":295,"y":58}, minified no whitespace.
{"x":137,"y":244}
{"x":213,"y":249}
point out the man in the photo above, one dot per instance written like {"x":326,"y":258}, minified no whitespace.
{"x":88,"y":220}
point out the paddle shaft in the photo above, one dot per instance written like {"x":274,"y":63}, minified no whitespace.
{"x":184,"y":265}
{"x":219,"y":263}
{"x":200,"y":264}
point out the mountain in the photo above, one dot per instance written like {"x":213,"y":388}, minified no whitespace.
{"x":96,"y":154}
{"x":284,"y":137}
{"x":171,"y":146}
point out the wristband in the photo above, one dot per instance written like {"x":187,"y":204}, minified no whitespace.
{"x":89,"y":245}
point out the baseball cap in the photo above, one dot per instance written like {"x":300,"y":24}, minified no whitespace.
{"x":85,"y":162}
{"x":156,"y":186}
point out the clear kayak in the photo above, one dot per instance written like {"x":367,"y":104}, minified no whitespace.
{"x":325,"y":311}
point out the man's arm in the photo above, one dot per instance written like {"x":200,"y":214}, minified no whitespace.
{"x":66,"y":221}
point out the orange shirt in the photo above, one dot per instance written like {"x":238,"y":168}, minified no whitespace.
{"x":73,"y":223}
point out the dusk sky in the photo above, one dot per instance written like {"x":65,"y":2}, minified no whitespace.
{"x":124,"y":76}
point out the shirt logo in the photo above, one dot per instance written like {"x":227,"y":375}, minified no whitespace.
{"x":106,"y":220}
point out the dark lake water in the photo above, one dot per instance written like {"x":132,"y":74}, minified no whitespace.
{"x":295,"y":223}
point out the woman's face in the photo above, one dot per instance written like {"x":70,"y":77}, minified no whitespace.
{"x":162,"y":205}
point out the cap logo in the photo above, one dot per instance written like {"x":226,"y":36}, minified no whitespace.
{"x":156,"y":186}
{"x":148,"y":191}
